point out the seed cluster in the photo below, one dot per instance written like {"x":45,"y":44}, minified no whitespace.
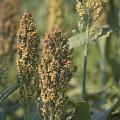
{"x":8,"y":12}
{"x":90,"y":12}
{"x":80,"y":9}
{"x":55,"y":73}
{"x":28,"y":58}
{"x":95,"y":7}
{"x":55,"y":13}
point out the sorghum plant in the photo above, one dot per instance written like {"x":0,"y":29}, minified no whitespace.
{"x":89,"y":12}
{"x":55,"y":73}
{"x":28,"y":59}
{"x":55,"y":13}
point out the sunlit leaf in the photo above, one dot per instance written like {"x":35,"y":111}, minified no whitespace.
{"x":76,"y":40}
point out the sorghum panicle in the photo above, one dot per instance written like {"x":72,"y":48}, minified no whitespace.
{"x":95,"y":7}
{"x":55,"y":73}
{"x":80,"y":9}
{"x":90,"y":13}
{"x":28,"y":57}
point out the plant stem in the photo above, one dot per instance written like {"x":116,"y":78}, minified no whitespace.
{"x":84,"y":96}
{"x":87,"y":24}
{"x":51,"y":113}
{"x":84,"y":93}
{"x":102,"y":46}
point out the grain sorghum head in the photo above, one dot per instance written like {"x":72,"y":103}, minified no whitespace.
{"x":95,"y":8}
{"x":28,"y":57}
{"x":90,"y":13}
{"x":80,"y":9}
{"x":55,"y":72}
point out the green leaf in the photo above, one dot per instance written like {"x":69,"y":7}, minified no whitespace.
{"x":82,"y":111}
{"x":8,"y":92}
{"x":76,"y":40}
{"x":106,"y":114}
{"x":101,"y":115}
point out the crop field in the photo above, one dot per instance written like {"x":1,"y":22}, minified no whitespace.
{"x":59,"y":59}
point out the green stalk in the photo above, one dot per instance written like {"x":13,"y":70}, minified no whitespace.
{"x":84,"y":95}
{"x":102,"y":45}
{"x":87,"y":24}
{"x":52,"y":116}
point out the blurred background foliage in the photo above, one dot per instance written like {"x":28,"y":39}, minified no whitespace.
{"x":103,"y":73}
